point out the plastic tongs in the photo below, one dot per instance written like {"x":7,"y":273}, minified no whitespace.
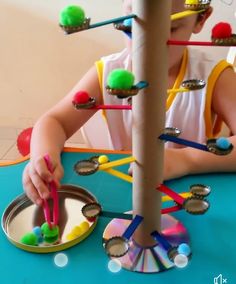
{"x":54,"y":195}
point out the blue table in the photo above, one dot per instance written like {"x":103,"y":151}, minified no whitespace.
{"x":212,"y":235}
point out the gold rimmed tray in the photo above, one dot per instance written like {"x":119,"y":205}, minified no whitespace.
{"x":21,"y":216}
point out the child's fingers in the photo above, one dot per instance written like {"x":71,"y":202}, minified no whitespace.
{"x":33,"y":195}
{"x":58,"y":174}
{"x":42,"y":170}
{"x":39,"y":184}
{"x":30,"y":190}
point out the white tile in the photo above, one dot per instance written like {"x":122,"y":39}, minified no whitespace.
{"x":77,"y":138}
{"x":75,"y":145}
{"x":5,"y":161}
{"x":5,"y":146}
{"x":12,"y":153}
{"x":8,"y":133}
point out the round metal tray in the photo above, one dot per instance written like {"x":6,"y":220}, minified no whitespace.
{"x":21,"y":216}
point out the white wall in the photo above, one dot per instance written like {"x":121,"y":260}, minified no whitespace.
{"x":39,"y":64}
{"x":223,"y":11}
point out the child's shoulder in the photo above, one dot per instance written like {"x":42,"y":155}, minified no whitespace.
{"x":119,"y":56}
{"x":203,"y":56}
{"x":203,"y":63}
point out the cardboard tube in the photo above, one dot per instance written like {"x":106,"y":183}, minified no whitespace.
{"x":150,"y":63}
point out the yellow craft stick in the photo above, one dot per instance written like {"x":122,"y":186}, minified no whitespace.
{"x":166,"y":198}
{"x":180,"y":90}
{"x":184,"y":14}
{"x":116,"y":163}
{"x":128,"y":178}
{"x":119,"y":175}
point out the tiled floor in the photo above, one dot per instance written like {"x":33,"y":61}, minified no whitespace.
{"x":8,"y":146}
{"x":9,"y":151}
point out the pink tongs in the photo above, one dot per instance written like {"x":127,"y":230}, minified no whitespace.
{"x":54,"y":195}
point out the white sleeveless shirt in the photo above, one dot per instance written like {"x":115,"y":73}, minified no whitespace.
{"x":190,"y":111}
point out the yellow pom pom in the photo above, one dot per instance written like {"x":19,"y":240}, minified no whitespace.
{"x":71,"y":237}
{"x":77,"y":231}
{"x":84,"y":226}
{"x":103,"y":159}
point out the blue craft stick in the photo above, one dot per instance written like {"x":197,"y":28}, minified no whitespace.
{"x":184,"y":142}
{"x":129,"y":34}
{"x":161,"y":239}
{"x":142,"y":85}
{"x":116,"y":215}
{"x":111,"y":21}
{"x":132,"y":227}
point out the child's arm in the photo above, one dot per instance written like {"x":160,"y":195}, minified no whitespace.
{"x":49,"y":135}
{"x":180,"y":162}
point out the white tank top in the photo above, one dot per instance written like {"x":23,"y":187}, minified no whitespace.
{"x":190,"y":112}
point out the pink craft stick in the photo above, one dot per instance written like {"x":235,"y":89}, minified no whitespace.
{"x":171,"y":209}
{"x":46,"y":212}
{"x":54,"y":195}
{"x":177,"y":198}
{"x":197,"y":43}
{"x":113,"y":107}
{"x":55,"y":202}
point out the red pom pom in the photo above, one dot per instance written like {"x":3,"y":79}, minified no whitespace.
{"x":23,"y":141}
{"x":81,"y":97}
{"x":222,"y":30}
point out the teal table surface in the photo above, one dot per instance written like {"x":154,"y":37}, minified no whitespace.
{"x":212,"y":235}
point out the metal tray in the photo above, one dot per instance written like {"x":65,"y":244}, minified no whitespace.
{"x":21,"y":216}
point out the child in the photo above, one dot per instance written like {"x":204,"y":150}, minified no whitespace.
{"x":198,"y":114}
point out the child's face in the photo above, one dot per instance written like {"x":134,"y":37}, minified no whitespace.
{"x":180,"y":29}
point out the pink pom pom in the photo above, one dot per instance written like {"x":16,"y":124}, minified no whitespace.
{"x":81,"y":97}
{"x":222,"y":30}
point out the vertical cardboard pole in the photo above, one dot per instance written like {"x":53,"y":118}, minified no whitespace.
{"x":150,"y":63}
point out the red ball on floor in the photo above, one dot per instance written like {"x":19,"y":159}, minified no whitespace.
{"x":23,"y":141}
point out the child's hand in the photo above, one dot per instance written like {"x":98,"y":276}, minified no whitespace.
{"x":36,"y":176}
{"x":176,"y":163}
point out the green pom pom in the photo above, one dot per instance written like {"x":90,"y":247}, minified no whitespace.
{"x":120,"y":79}
{"x":72,"y":15}
{"x":49,"y":233}
{"x":51,"y":240}
{"x":29,"y":239}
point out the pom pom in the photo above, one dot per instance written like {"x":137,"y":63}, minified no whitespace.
{"x":184,"y":249}
{"x":70,"y":237}
{"x":72,"y":15}
{"x":50,"y":235}
{"x":127,"y":22}
{"x":77,"y":231}
{"x":222,"y":30}
{"x":81,"y":97}
{"x":49,"y":232}
{"x":223,"y":143}
{"x":50,"y":240}
{"x":103,"y":159}
{"x":84,"y":226}
{"x":23,"y":141}
{"x":120,"y":79}
{"x":29,"y":239}
{"x":37,"y":231}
